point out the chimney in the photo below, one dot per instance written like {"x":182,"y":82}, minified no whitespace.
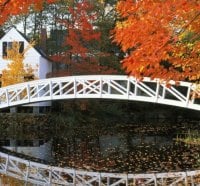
{"x":43,"y":40}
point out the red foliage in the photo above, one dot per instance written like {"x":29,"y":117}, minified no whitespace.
{"x":152,"y":33}
{"x":14,"y":7}
{"x":80,"y":28}
{"x":80,"y":57}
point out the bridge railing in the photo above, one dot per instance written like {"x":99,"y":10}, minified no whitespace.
{"x":40,"y":174}
{"x":183,"y":94}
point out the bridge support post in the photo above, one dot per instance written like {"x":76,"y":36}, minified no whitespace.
{"x":99,"y":179}
{"x":36,"y":110}
{"x":13,"y":110}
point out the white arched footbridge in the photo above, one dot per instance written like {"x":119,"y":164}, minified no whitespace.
{"x":107,"y":87}
{"x":101,"y":86}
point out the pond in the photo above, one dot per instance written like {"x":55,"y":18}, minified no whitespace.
{"x":127,"y":150}
{"x":131,"y":147}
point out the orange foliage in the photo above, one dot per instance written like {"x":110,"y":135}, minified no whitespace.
{"x":153,"y":35}
{"x":14,"y":7}
{"x":80,"y":28}
{"x":80,"y":57}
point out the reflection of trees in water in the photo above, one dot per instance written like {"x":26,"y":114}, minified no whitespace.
{"x":6,"y":180}
{"x":151,"y":153}
{"x":24,"y":126}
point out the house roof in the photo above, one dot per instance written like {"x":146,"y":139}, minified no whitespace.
{"x":39,"y":50}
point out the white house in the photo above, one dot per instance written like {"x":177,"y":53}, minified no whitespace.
{"x":33,"y":57}
{"x":37,"y":148}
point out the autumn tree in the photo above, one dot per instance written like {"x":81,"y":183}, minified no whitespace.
{"x":14,"y":7}
{"x":81,"y":44}
{"x":160,"y":38}
{"x":16,"y":71}
{"x":81,"y":31}
{"x":111,"y":53}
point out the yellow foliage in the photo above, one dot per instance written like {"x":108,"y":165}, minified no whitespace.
{"x":196,"y":91}
{"x":16,"y":70}
{"x":102,"y":1}
{"x":123,"y":24}
{"x":6,"y":180}
{"x":198,"y":88}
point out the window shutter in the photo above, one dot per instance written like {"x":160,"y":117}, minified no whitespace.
{"x":5,"y":49}
{"x":21,"y":47}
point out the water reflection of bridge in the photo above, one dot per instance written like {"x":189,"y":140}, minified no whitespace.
{"x":31,"y":171}
{"x":42,"y":174}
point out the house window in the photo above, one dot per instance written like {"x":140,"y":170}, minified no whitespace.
{"x":8,"y":45}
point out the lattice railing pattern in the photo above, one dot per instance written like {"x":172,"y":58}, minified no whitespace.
{"x":40,"y":174}
{"x":182,"y":94}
